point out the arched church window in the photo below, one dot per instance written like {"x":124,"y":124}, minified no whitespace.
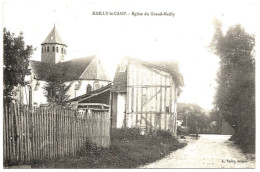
{"x":57,"y":49}
{"x":61,"y":50}
{"x":48,"y":49}
{"x":96,"y":85}
{"x":53,"y":49}
{"x":89,"y":88}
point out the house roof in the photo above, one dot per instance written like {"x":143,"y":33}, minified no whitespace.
{"x":41,"y":70}
{"x":91,"y":93}
{"x":120,"y":79}
{"x":71,"y":70}
{"x":173,"y":69}
{"x":53,"y":38}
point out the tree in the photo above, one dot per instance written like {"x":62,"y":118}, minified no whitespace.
{"x":55,"y":90}
{"x":193,"y":113}
{"x":16,"y":62}
{"x":215,"y":120}
{"x":235,"y":95}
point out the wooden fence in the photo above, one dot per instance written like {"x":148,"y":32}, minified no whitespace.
{"x":50,"y":133}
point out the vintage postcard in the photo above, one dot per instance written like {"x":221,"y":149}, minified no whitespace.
{"x":127,"y":84}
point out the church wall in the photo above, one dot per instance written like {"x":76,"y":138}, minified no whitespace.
{"x":78,"y":90}
{"x":39,"y":98}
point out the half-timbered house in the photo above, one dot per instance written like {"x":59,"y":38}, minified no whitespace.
{"x":144,"y":95}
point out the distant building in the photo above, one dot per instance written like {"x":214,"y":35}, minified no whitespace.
{"x":83,"y":74}
{"x":144,"y":95}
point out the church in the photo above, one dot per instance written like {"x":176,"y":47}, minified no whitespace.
{"x":82,"y":74}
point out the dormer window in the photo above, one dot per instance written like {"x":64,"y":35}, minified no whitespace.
{"x":53,"y":49}
{"x":57,"y":49}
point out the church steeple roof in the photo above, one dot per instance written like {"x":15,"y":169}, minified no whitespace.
{"x":53,"y":38}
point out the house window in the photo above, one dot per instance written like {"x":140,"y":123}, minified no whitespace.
{"x":48,"y":49}
{"x":45,"y":49}
{"x":53,"y":49}
{"x":89,"y":88}
{"x":57,"y":49}
{"x":61,"y":50}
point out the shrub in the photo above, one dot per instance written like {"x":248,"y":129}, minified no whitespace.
{"x":164,"y":134}
{"x":125,"y":133}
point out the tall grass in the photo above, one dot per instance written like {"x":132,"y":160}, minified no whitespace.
{"x":129,"y":149}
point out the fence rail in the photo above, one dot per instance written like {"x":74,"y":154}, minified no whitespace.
{"x":49,"y":133}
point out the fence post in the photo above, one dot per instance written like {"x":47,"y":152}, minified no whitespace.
{"x":30,"y":124}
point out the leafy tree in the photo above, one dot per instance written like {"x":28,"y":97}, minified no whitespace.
{"x":235,"y":96}
{"x":55,"y":90}
{"x":215,"y":120}
{"x":195,"y":114}
{"x":16,"y":62}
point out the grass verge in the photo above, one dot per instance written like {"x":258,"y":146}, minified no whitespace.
{"x":128,"y":149}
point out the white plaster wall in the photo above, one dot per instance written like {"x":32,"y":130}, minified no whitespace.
{"x":83,"y":87}
{"x":38,"y":96}
{"x":121,"y":103}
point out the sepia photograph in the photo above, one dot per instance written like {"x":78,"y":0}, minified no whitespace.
{"x":128,"y":84}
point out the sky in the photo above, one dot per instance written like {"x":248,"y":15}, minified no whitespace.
{"x":184,"y":37}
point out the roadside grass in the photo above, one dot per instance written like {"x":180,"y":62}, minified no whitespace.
{"x":128,"y":149}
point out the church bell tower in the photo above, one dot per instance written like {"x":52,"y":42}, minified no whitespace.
{"x":53,"y":48}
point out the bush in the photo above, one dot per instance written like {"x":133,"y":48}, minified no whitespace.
{"x":164,"y":134}
{"x":125,"y":133}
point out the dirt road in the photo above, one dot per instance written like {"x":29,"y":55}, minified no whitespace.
{"x":209,"y":151}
